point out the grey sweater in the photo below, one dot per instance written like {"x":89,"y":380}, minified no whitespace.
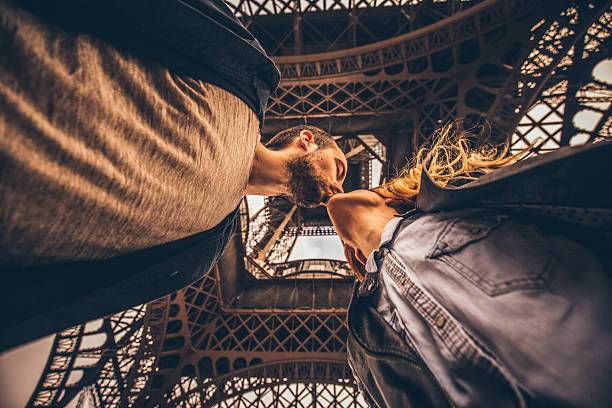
{"x":101,"y":155}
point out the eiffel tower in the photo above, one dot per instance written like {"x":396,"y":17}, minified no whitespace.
{"x":266,"y":328}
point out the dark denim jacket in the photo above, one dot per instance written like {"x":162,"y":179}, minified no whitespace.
{"x":570,"y":187}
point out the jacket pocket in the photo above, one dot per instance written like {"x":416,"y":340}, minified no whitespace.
{"x":494,"y":253}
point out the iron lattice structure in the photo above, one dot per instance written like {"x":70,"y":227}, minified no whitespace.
{"x":264,"y":331}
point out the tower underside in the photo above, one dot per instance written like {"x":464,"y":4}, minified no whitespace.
{"x":265,"y":330}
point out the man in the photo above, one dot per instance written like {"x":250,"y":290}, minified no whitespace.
{"x":129,"y":132}
{"x":303,"y":163}
{"x":55,"y":218}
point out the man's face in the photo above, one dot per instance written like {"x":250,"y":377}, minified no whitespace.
{"x":316,"y":176}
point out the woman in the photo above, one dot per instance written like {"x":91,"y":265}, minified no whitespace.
{"x":469,"y":304}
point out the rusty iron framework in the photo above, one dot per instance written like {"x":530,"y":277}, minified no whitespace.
{"x":525,"y":65}
{"x":290,"y":27}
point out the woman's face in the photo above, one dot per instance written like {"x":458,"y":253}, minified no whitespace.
{"x":359,"y":218}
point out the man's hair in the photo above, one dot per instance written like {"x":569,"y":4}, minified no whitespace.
{"x":283,"y":139}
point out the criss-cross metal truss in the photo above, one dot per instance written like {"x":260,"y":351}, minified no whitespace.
{"x":264,"y":331}
{"x":492,"y":60}
{"x":186,"y":350}
{"x":289,"y":27}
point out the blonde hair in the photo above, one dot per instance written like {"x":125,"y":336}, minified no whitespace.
{"x":451,"y":156}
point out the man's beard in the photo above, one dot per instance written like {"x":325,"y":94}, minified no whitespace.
{"x":305,"y":186}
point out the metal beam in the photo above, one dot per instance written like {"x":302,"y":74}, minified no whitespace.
{"x":354,"y":151}
{"x":370,"y":150}
{"x":279,"y":230}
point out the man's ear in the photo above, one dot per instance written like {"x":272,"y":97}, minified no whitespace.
{"x":306,"y":140}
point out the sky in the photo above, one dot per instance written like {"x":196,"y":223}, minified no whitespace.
{"x":20,"y":369}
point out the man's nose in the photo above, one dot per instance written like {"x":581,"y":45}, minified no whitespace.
{"x":330,"y":190}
